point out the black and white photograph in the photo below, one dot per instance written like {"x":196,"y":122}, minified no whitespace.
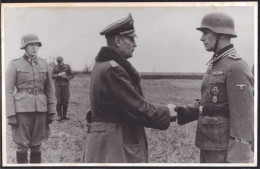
{"x":129,"y":84}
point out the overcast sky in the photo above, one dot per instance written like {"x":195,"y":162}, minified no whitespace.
{"x":167,"y":37}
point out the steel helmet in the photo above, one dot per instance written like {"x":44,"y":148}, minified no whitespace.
{"x":218,"y":23}
{"x":29,"y":38}
{"x":59,"y":58}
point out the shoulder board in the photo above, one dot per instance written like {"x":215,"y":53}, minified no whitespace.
{"x":41,"y":59}
{"x":16,"y":59}
{"x":113,"y":63}
{"x":234,"y":56}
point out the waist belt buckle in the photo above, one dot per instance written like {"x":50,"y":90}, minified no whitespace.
{"x":200,"y":109}
{"x":36,"y":91}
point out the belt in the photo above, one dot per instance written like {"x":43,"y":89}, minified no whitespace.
{"x":213,"y":112}
{"x":93,"y":118}
{"x":34,"y":91}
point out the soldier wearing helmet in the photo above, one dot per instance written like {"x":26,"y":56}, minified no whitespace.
{"x":30,"y":109}
{"x":62,"y":73}
{"x":225,"y":112}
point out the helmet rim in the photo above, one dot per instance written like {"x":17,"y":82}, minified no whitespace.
{"x":219,"y":23}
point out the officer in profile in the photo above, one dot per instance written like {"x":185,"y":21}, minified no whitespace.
{"x":31,"y":108}
{"x":119,"y":111}
{"x":225,"y":112}
{"x":62,"y":74}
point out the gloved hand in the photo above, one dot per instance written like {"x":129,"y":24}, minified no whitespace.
{"x":12,"y":120}
{"x":62,"y":74}
{"x":173,"y":113}
{"x":182,"y":115}
{"x":179,"y":109}
{"x":49,"y":118}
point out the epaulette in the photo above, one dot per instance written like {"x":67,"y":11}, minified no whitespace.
{"x":41,"y":58}
{"x":16,"y":59}
{"x":234,"y":56}
{"x":113,"y":63}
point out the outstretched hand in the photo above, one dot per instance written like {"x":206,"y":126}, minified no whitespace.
{"x":173,"y":113}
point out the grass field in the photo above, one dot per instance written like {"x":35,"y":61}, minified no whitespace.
{"x":175,"y":145}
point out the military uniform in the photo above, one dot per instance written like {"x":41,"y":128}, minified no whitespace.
{"x":62,"y":90}
{"x":119,"y":111}
{"x":32,"y":102}
{"x":225,"y":112}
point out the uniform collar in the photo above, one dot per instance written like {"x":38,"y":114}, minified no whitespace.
{"x":221,"y":53}
{"x":31,"y":60}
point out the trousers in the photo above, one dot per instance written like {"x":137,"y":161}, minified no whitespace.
{"x":213,"y":156}
{"x":31,"y":132}
{"x":62,"y":95}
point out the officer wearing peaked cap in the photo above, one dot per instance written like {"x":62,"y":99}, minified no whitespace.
{"x":119,"y":111}
{"x":124,"y":26}
{"x":225,"y":112}
{"x":31,"y":108}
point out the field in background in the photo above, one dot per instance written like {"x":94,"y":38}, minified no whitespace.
{"x":175,"y":145}
{"x":159,"y":75}
{"x":170,"y":75}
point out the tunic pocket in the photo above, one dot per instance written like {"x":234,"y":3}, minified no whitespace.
{"x":43,"y":74}
{"x":19,"y":96}
{"x":215,"y":133}
{"x":217,"y":91}
{"x":24,"y":102}
{"x":23,"y":75}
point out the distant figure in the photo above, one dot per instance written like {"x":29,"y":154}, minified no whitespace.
{"x":30,"y":110}
{"x":225,"y":112}
{"x":119,"y":110}
{"x":62,"y":74}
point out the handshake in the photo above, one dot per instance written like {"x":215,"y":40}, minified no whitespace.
{"x":62,"y":74}
{"x":173,"y":112}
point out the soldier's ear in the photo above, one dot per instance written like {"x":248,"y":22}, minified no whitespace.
{"x":117,"y":41}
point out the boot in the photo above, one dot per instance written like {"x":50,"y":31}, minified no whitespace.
{"x":35,"y":157}
{"x":21,"y":157}
{"x":65,"y":109}
{"x":59,"y":112}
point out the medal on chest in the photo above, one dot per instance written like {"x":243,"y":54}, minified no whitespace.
{"x":214,"y":94}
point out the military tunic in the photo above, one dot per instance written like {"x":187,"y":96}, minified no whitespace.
{"x":225,"y":112}
{"x":33,"y":99}
{"x":119,"y":115}
{"x":62,"y":91}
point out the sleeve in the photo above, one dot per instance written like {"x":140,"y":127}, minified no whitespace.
{"x":10,"y":80}
{"x":49,"y":92}
{"x":188,"y":113}
{"x":241,"y":106}
{"x":135,"y":108}
{"x":54,"y":74}
{"x":70,"y":73}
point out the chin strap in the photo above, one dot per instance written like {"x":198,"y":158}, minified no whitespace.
{"x":216,"y":44}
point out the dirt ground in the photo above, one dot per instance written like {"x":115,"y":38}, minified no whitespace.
{"x":175,"y":145}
